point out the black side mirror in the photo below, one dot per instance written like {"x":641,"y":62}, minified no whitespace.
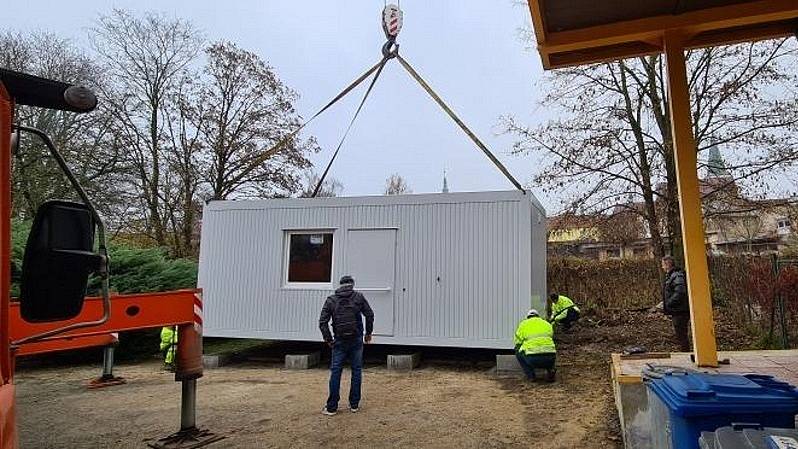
{"x":58,"y":260}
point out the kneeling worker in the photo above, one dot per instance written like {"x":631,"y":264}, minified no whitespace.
{"x":563,"y":310}
{"x":534,"y":345}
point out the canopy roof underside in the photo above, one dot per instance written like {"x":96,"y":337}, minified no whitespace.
{"x":574,"y":32}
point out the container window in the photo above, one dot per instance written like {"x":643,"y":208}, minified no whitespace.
{"x":310,"y":257}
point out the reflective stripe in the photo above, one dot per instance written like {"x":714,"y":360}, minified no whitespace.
{"x":533,"y":336}
{"x":540,"y":350}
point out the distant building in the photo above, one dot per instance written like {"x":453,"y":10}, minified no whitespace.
{"x":733,"y":223}
{"x":616,"y":236}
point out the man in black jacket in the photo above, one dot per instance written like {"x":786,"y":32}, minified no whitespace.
{"x":675,"y":302}
{"x":345,"y":308}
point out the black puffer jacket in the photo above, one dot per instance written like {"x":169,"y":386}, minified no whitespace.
{"x":674,"y":293}
{"x":343,"y":317}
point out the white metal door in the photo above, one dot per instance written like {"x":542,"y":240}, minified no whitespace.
{"x":371,"y":259}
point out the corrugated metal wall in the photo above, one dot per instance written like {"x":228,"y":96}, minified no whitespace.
{"x":463,"y":265}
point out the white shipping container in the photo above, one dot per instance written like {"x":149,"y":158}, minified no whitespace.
{"x":452,"y":269}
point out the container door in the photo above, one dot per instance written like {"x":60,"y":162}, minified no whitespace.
{"x":371,"y":260}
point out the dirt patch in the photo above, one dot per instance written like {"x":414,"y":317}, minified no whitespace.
{"x":260,"y":406}
{"x":452,"y":401}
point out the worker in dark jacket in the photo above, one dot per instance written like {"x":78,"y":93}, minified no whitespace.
{"x":675,"y":302}
{"x":345,"y":308}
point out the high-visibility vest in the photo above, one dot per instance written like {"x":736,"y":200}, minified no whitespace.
{"x":169,"y":343}
{"x":535,"y":336}
{"x":559,"y":309}
{"x":168,"y":337}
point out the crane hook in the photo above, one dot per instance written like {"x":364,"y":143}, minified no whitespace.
{"x":392,"y":21}
{"x":391,"y":24}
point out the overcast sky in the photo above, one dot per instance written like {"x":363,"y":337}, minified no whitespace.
{"x":468,"y":50}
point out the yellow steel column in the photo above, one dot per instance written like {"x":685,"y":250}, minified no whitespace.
{"x":685,"y":155}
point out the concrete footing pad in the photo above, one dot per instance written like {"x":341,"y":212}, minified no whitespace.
{"x":302,"y":361}
{"x":507,"y":365}
{"x":403,"y":362}
{"x":215,"y":360}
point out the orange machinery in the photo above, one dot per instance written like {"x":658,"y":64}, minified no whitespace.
{"x":95,"y":320}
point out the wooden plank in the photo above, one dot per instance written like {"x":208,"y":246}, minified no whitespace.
{"x":646,"y":356}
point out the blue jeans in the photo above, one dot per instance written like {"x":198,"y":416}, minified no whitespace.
{"x":343,"y":350}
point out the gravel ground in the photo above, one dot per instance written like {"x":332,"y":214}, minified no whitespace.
{"x":452,"y":401}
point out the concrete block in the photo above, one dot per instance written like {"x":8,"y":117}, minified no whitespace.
{"x":634,"y":412}
{"x":215,"y":361}
{"x":507,"y":364}
{"x":302,"y":361}
{"x":403,"y":362}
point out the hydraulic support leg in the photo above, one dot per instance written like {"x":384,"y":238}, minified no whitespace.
{"x":107,"y":378}
{"x":188,"y":370}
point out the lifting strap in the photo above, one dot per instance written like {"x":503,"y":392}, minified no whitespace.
{"x":392,"y":23}
{"x":460,"y":123}
{"x":271,"y":151}
{"x":394,"y":53}
{"x":379,"y":66}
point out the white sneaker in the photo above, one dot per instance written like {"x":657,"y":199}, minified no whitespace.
{"x":324,"y":411}
{"x":354,"y":409}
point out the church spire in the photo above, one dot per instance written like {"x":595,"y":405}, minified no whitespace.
{"x":715,"y":165}
{"x":445,"y":183}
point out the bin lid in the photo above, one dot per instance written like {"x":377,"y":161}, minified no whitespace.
{"x":707,"y":440}
{"x":767,"y":438}
{"x":701,"y":394}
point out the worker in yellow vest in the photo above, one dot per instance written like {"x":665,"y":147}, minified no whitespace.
{"x":563,"y":310}
{"x":534,"y":346}
{"x":169,"y":346}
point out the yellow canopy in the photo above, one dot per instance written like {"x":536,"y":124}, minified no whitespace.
{"x":576,"y":32}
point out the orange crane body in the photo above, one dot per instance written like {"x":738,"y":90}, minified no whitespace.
{"x":182,"y":308}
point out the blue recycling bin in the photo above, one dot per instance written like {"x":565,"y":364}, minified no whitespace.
{"x":683,"y":405}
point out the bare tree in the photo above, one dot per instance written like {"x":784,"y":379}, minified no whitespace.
{"x":610,"y":142}
{"x":622,"y":227}
{"x":396,"y":185}
{"x":245,"y":110}
{"x":181,"y":190}
{"x":331,"y":187}
{"x":83,"y":139}
{"x":145,"y":57}
{"x":747,"y":227}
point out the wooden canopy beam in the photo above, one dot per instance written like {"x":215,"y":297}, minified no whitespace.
{"x":756,"y":20}
{"x":692,"y":223}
